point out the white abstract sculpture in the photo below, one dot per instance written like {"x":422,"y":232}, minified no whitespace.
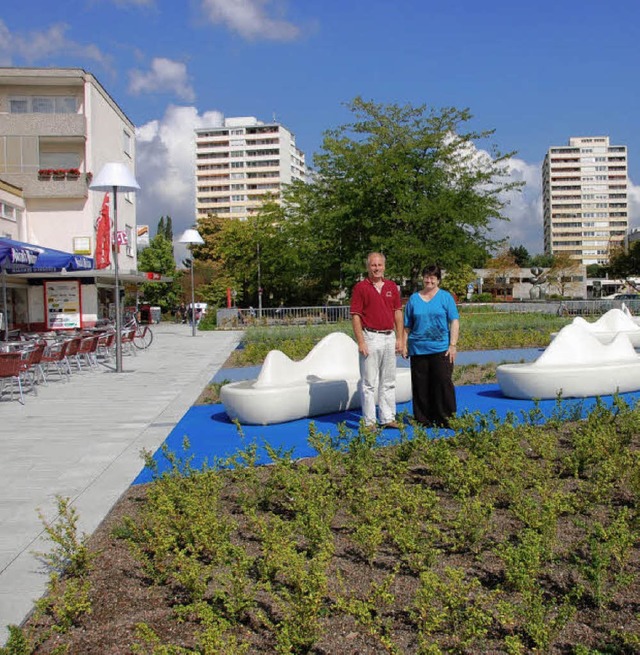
{"x":608,"y":326}
{"x":327,"y":380}
{"x":576,"y":364}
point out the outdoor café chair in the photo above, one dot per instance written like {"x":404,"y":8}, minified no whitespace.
{"x":72,"y":353}
{"x":87,"y":350}
{"x":55,"y":356}
{"x":106,"y":343}
{"x":127,"y":341}
{"x":33,"y":358}
{"x":12,"y":369}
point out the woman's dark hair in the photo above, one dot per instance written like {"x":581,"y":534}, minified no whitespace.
{"x":432,"y":269}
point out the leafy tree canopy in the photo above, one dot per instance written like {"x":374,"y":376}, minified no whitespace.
{"x":165,"y":228}
{"x":541,"y":261}
{"x":407,"y":181}
{"x":521,"y":255}
{"x":158,"y":258}
{"x":624,"y":264}
{"x":597,"y":270}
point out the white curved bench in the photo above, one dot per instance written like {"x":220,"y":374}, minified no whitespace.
{"x":577,"y":364}
{"x":608,"y":326}
{"x":327,"y":380}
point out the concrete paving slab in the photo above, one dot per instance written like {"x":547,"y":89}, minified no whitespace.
{"x":83,"y":439}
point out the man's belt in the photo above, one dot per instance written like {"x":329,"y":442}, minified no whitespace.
{"x":378,"y":331}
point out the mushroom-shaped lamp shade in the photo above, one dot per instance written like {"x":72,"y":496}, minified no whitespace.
{"x":191,"y":236}
{"x":114,"y":174}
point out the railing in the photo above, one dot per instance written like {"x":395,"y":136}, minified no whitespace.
{"x":241,"y":318}
{"x":593,"y":307}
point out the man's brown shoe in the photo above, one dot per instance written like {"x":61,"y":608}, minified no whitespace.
{"x":392,"y":425}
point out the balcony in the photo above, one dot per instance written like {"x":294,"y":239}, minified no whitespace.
{"x":44,"y":125}
{"x":34,"y":185}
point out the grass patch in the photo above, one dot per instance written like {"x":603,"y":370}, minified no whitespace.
{"x":482,"y":331}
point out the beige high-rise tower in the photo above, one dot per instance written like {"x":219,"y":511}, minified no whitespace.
{"x":585,"y":204}
{"x":242,"y":163}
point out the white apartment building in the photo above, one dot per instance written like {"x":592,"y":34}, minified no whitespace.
{"x":585,"y":204}
{"x":241,"y":164}
{"x":58,"y":127}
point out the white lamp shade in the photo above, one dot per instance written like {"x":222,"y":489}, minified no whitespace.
{"x":191,"y":236}
{"x":114,"y":174}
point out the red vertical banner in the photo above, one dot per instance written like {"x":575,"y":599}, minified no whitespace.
{"x":103,"y":236}
{"x":228,"y":297}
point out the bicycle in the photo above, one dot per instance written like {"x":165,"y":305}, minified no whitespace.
{"x":143,"y":337}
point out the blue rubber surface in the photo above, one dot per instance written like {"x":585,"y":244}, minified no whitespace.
{"x":212,"y":435}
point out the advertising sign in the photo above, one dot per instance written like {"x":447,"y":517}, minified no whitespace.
{"x":62,"y":300}
{"x":143,"y":236}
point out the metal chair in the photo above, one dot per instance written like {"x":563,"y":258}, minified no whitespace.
{"x":127,"y":341}
{"x":106,"y":343}
{"x":87,"y":350}
{"x":12,"y":369}
{"x":33,"y":359}
{"x":72,"y":353}
{"x":55,"y":356}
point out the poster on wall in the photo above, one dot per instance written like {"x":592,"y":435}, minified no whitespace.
{"x":63,"y":304}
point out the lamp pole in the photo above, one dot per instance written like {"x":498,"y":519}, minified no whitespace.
{"x":115,"y":176}
{"x":115,"y":251}
{"x":193,"y":298}
{"x":259,"y":284}
{"x":191,"y":237}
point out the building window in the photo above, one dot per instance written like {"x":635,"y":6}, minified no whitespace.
{"x":10,"y":212}
{"x":129,"y":232}
{"x":43,"y":105}
{"x":126,"y":143}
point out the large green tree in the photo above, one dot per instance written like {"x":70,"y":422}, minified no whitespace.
{"x":625,"y":263}
{"x":158,"y":258}
{"x":407,"y":181}
{"x":165,"y":228}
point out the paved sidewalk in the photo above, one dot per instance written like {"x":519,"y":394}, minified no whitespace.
{"x":82,"y":440}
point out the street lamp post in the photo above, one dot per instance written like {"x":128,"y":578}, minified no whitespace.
{"x":115,"y":177}
{"x":192,"y":237}
{"x":259,"y":285}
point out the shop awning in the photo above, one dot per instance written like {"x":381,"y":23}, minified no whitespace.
{"x":19,"y":257}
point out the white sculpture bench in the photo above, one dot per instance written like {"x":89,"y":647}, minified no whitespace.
{"x":327,"y":380}
{"x":577,"y":364}
{"x":607,"y":327}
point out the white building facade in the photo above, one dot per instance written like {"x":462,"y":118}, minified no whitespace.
{"x":585,"y":203}
{"x":58,"y":127}
{"x":243,"y":163}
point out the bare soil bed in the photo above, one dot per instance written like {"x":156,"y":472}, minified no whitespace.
{"x":401,"y":597}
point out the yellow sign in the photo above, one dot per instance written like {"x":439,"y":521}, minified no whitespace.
{"x":81,"y":245}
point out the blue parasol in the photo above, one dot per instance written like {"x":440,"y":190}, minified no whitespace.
{"x":20,"y":257}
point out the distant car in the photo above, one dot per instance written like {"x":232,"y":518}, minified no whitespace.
{"x":626,"y":296}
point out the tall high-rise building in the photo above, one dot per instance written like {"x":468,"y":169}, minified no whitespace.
{"x":585,"y":204}
{"x":241,"y":164}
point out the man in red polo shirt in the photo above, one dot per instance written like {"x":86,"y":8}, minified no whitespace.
{"x":376,"y":315}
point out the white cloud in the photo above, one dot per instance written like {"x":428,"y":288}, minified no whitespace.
{"x":249,"y":18}
{"x":524,"y":208}
{"x":165,"y":76}
{"x":634,"y":205}
{"x":33,"y":47}
{"x":165,"y":168}
{"x":523,"y":205}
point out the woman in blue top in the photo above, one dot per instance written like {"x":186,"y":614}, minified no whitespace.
{"x":431,"y":328}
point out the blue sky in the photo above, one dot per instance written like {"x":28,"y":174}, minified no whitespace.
{"x":537,"y":73}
